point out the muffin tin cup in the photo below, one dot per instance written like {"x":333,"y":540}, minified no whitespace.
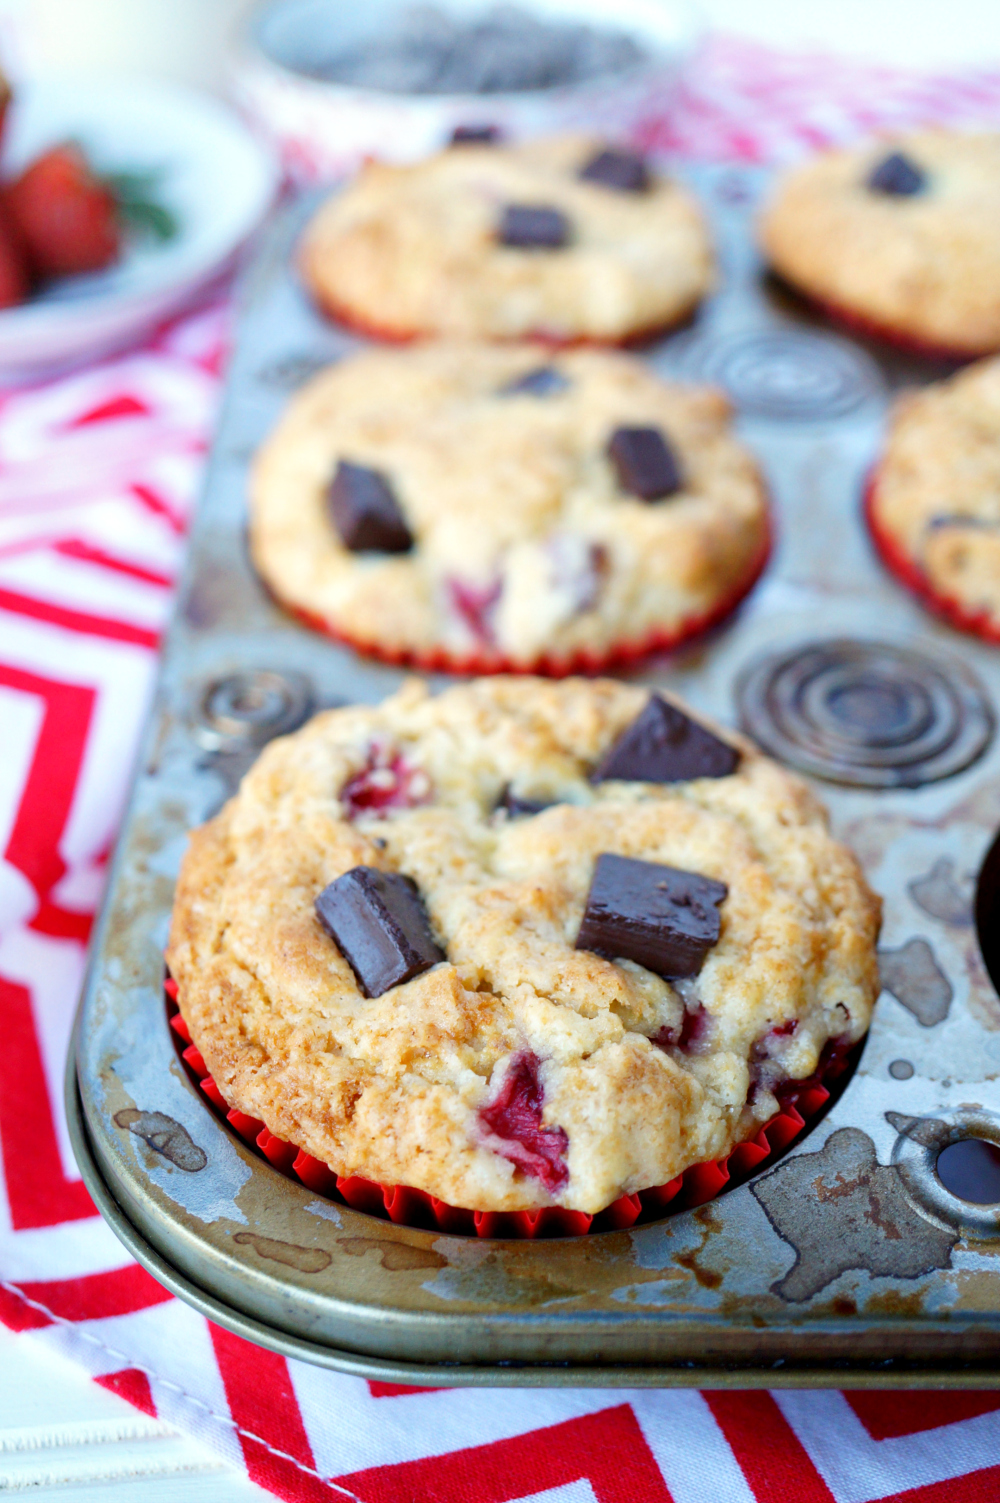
{"x":977,"y":623}
{"x":406,"y":1206}
{"x":621,"y":656}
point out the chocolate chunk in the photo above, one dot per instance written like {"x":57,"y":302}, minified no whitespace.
{"x":624,"y":170}
{"x":494,"y":48}
{"x":646,"y":465}
{"x":365,"y":512}
{"x":532,"y":227}
{"x":897,"y":176}
{"x":544,"y":381}
{"x":956,"y":519}
{"x":517,"y":806}
{"x":662,"y":745}
{"x":662,"y":918}
{"x":475,"y":135}
{"x":380,"y":926}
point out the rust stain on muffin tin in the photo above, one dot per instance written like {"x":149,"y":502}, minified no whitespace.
{"x":896,"y":1304}
{"x":691,"y":1260}
{"x":290,"y":1254}
{"x":944,"y":894}
{"x":914,"y":977}
{"x":396,"y":1258}
{"x":822,"y":1260}
{"x":164,"y":1136}
{"x":840,"y":1209}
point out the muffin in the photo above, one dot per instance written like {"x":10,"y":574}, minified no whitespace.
{"x":900,"y":237}
{"x":524,"y":944}
{"x":476,"y":507}
{"x":562,"y":239}
{"x":933,"y":501}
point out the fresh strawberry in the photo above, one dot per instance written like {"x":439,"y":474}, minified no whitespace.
{"x":15,"y":283}
{"x":66,"y":217}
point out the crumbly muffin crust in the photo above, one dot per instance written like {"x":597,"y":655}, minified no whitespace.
{"x":936,"y":490}
{"x":526,"y":546}
{"x":408,"y":250}
{"x":926,"y":266}
{"x":393,"y":1088}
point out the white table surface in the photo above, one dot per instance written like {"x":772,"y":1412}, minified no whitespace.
{"x":63,"y":1439}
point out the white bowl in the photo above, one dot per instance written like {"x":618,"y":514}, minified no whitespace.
{"x":215,"y":178}
{"x":324,"y":130}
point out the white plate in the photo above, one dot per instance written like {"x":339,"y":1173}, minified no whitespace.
{"x":216,"y":180}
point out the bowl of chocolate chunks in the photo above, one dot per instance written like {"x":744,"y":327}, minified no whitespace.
{"x":397,"y":79}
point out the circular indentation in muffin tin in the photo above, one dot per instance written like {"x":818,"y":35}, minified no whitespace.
{"x":247,"y":709}
{"x":866,"y":714}
{"x":969,"y":1168}
{"x":784,"y":374}
{"x":949,"y":1163}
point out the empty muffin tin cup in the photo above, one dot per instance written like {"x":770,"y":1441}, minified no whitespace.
{"x":866,"y":714}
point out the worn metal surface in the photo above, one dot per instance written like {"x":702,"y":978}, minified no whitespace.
{"x":847,"y":1261}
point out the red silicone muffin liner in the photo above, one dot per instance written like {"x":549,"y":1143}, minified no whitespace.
{"x":800,"y":1100}
{"x":977,"y":623}
{"x":870,"y":328}
{"x":623,"y":655}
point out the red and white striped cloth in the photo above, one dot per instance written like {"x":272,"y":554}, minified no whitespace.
{"x":98,"y":473}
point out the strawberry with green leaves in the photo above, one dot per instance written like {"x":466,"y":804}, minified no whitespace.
{"x":60,"y":218}
{"x":66,"y":217}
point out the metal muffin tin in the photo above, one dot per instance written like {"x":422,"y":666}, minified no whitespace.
{"x":847,"y":1262}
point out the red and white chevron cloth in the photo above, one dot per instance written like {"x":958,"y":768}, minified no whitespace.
{"x":98,"y":474}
